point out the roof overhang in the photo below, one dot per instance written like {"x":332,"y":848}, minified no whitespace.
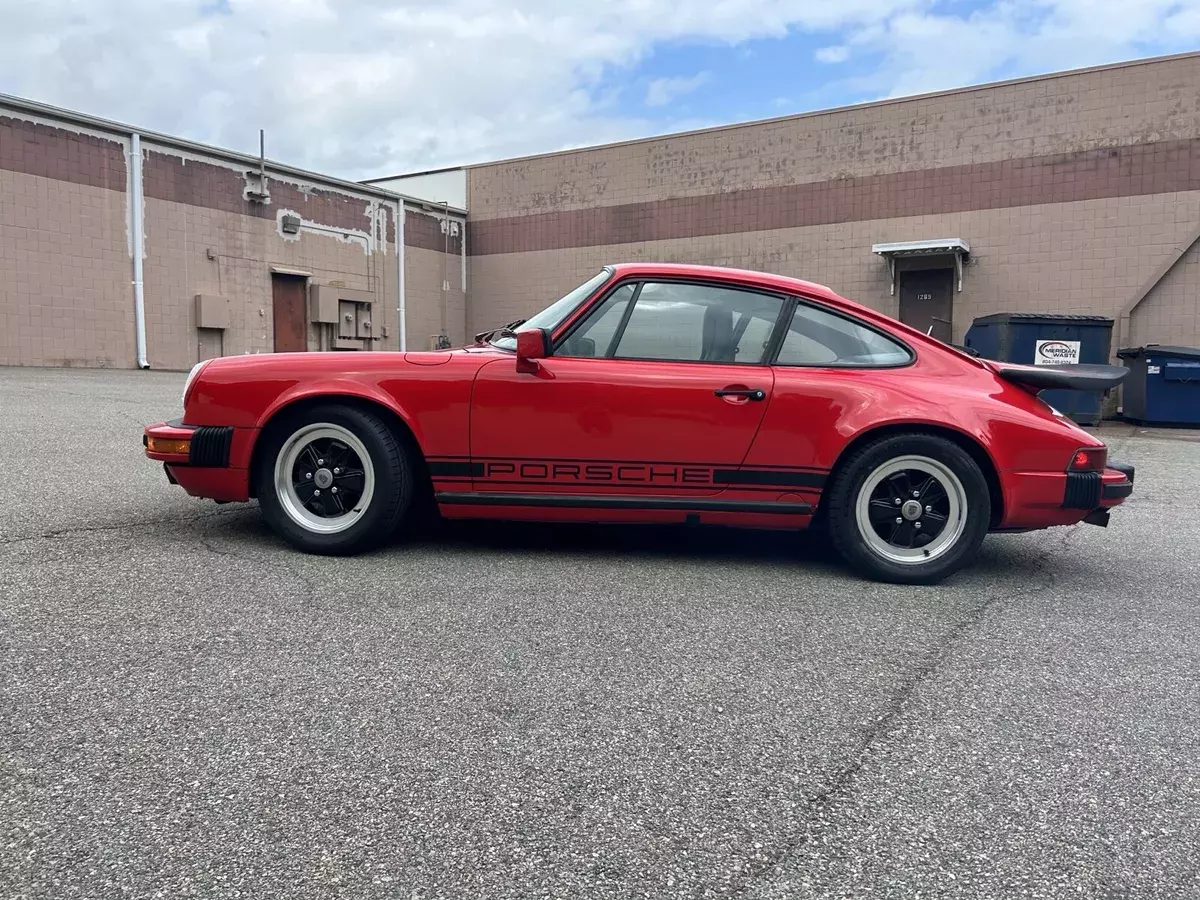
{"x":955,"y":247}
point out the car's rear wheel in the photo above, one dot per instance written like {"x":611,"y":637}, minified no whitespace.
{"x":334,"y":480}
{"x":909,"y":509}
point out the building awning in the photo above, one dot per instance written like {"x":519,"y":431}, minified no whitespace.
{"x":955,"y":247}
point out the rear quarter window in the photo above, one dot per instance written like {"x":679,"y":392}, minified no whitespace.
{"x":818,"y":337}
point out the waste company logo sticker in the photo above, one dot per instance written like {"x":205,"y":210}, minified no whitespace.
{"x":1055,"y":353}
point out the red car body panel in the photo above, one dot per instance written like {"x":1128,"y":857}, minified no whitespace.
{"x":585,"y":427}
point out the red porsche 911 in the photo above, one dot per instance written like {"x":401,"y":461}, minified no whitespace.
{"x":656,"y":393}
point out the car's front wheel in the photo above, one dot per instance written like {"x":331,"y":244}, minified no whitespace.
{"x":909,"y":509}
{"x":334,"y":480}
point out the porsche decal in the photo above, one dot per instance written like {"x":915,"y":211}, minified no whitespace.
{"x":623,"y":474}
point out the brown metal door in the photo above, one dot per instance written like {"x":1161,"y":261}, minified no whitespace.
{"x":927,"y":298}
{"x":291,"y":327}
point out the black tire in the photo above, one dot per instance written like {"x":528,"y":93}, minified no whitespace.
{"x":391,"y":497}
{"x":958,"y":546}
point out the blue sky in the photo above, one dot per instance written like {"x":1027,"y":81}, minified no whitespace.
{"x":366,"y":88}
{"x":679,"y":83}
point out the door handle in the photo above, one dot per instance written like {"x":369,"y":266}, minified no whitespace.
{"x":748,"y":393}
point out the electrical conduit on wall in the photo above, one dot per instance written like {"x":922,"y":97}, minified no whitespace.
{"x":137,"y":214}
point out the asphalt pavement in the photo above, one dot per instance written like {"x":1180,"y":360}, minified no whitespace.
{"x":190,"y":709}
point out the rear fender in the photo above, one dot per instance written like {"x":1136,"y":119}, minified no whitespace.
{"x":973,"y":444}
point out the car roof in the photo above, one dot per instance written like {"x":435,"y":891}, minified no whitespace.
{"x":728,"y":273}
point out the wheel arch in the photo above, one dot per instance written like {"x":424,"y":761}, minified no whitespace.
{"x":395,"y":422}
{"x":967,"y":442}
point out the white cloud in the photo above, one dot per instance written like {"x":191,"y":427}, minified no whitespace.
{"x":836,"y":54}
{"x":924,"y":50}
{"x":662,"y":91}
{"x":364,"y":88}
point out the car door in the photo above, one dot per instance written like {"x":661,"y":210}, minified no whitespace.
{"x":657,"y":391}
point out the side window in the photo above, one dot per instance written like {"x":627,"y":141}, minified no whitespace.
{"x":594,"y":337}
{"x":819,"y":338}
{"x":678,"y":321}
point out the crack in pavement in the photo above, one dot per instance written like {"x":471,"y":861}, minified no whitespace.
{"x":839,"y":786}
{"x":114,"y":526}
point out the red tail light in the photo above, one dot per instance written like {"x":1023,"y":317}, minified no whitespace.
{"x":1089,"y":459}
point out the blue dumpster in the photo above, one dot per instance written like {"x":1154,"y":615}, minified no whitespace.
{"x":1163,"y":387}
{"x":1047,"y":339}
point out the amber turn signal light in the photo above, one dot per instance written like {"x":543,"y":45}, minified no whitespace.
{"x":176,"y":446}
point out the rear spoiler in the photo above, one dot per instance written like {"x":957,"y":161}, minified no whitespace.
{"x":1077,"y":377}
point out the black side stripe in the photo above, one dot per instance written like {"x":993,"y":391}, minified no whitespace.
{"x":623,"y":462}
{"x":764,"y":477}
{"x":617,"y":486}
{"x":444,"y":469}
{"x":585,"y":501}
{"x":781,"y":478}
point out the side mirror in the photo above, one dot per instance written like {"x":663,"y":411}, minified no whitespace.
{"x":532,"y":345}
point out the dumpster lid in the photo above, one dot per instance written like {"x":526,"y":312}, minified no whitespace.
{"x":1159,"y":350}
{"x":1044,"y":318}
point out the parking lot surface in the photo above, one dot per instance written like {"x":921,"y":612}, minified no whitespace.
{"x":188,"y":708}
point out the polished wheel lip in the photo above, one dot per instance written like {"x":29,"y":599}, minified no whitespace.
{"x":293,"y":506}
{"x":947,"y":537}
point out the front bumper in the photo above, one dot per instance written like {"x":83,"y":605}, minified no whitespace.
{"x":210,"y":461}
{"x":204,"y":445}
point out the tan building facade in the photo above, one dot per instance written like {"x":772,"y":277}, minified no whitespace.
{"x":236,"y":256}
{"x":1076,"y":193}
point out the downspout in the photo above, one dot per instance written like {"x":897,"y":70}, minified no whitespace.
{"x":462,"y":237}
{"x":136,"y":213}
{"x":400,"y":274}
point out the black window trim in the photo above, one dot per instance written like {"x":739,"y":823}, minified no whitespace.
{"x":773,"y":343}
{"x":800,"y":300}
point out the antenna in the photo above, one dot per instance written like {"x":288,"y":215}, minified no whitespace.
{"x":262,"y":161}
{"x":260,"y":193}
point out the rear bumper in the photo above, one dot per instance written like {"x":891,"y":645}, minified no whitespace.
{"x":1044,"y":499}
{"x":1117,"y":489}
{"x":206,"y":461}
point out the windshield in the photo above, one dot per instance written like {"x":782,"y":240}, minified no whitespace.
{"x":554,"y":314}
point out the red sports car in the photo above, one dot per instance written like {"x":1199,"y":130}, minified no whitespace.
{"x":657,"y":393}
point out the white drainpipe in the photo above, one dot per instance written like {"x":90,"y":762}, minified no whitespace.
{"x":400,"y":273}
{"x":136,"y":214}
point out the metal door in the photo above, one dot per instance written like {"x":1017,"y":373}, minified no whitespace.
{"x":291,"y":326}
{"x":927,"y":299}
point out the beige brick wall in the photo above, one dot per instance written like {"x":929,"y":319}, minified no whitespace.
{"x":1089,"y":257}
{"x":1171,"y":311}
{"x":1141,"y":102}
{"x":65,"y":274}
{"x":178,"y":240}
{"x":66,"y":296}
{"x":424,"y":298}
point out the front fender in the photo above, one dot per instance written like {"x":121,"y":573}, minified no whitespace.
{"x":339,"y":388}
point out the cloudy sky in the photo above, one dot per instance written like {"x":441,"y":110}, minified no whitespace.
{"x":365,"y":88}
